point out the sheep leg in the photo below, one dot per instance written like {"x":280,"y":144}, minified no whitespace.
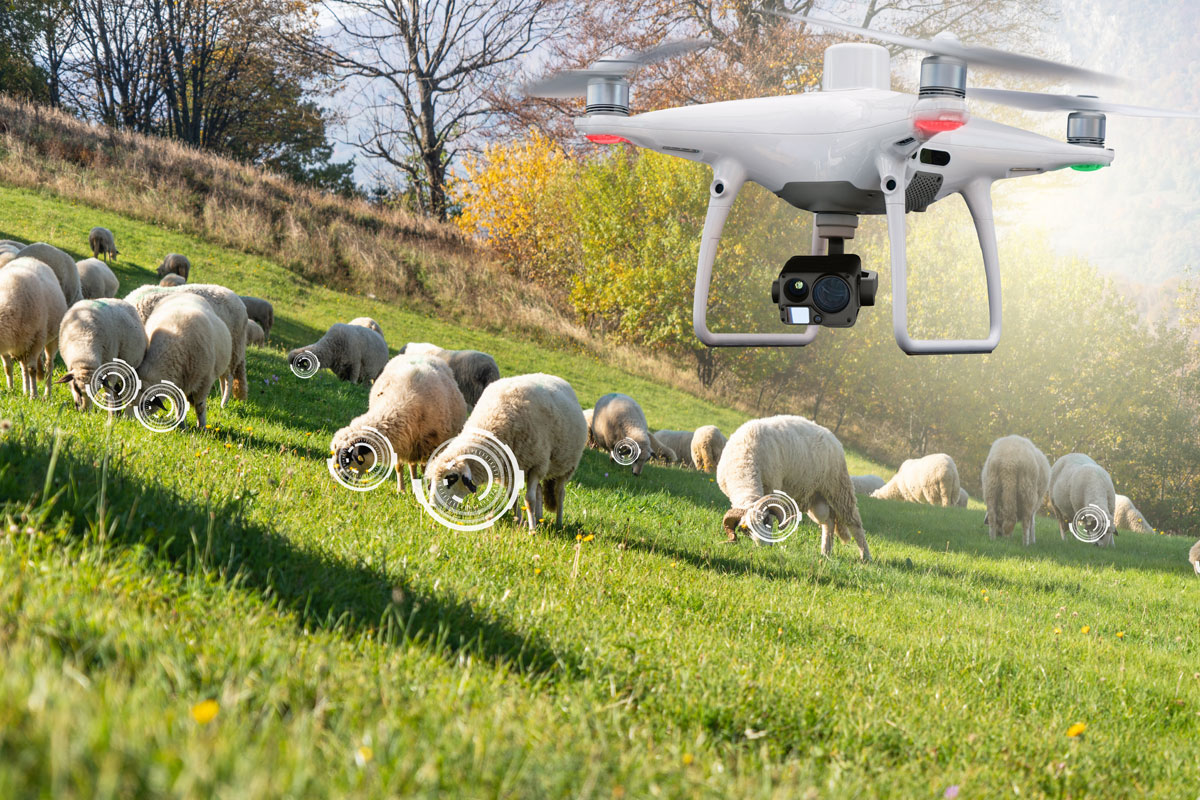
{"x":827,"y":533}
{"x":531,"y":504}
{"x":560,"y":495}
{"x":8,"y":370}
{"x":201,"y":406}
{"x":47,"y":369}
{"x":1030,"y":526}
{"x":226,"y":385}
{"x":240,"y":390}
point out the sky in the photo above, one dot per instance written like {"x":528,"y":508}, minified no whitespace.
{"x":1139,"y":218}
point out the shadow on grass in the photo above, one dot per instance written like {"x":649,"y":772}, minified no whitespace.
{"x":962,"y":532}
{"x":322,"y":592}
{"x":596,"y":471}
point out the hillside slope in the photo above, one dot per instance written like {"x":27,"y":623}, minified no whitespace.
{"x":354,"y":648}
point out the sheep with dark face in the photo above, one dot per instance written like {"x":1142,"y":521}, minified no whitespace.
{"x":103,"y":244}
{"x":472,"y":369}
{"x":175,"y":264}
{"x":539,"y":418}
{"x":94,"y":333}
{"x":800,"y":458}
{"x":354,"y":353}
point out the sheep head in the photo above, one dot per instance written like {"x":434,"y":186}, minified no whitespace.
{"x":456,"y":476}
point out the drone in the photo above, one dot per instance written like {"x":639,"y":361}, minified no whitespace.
{"x":855,"y":147}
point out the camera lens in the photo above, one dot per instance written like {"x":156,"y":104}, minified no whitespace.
{"x":831,"y":294}
{"x":795,"y":289}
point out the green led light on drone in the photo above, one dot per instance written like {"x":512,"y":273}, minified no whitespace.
{"x":1087,"y":167}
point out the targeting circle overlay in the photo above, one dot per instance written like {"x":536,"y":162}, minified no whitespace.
{"x":365,"y":463}
{"x":772,"y":518}
{"x":305,"y":364}
{"x":114,"y":385}
{"x":161,"y":407}
{"x":494,"y":474}
{"x":1090,"y":524}
{"x":626,"y":452}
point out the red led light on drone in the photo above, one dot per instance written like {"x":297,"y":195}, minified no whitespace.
{"x":607,"y":138}
{"x":938,"y":125}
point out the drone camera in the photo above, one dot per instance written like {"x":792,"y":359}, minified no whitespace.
{"x":823,"y":290}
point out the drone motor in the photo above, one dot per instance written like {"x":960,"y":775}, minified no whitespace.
{"x":608,"y":94}
{"x":1086,"y":127}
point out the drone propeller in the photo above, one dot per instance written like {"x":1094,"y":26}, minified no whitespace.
{"x":944,"y":45}
{"x":1035,"y":101}
{"x":574,"y":82}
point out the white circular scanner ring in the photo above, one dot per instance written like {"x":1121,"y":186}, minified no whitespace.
{"x":365,"y":463}
{"x":476,"y":487}
{"x":772,"y":518}
{"x":161,"y":408}
{"x":626,"y":452}
{"x":305,"y":364}
{"x":114,"y":385}
{"x":1090,"y":524}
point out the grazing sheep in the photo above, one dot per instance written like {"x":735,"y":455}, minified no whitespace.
{"x":472,"y":369}
{"x":1127,"y":517}
{"x":175,"y":264}
{"x":680,"y":443}
{"x":227,"y":305}
{"x":254,"y":334}
{"x":963,"y":498}
{"x":262,"y":312}
{"x":102,"y":243}
{"x":1016,"y":476}
{"x":539,"y":418}
{"x":172,"y":279}
{"x":1076,"y":482}
{"x":932,"y":479}
{"x":189,"y":345}
{"x":93,"y":333}
{"x":617,"y":417}
{"x":367,"y":322}
{"x":865,"y":484}
{"x":63,"y":266}
{"x":1194,"y":557}
{"x":96,"y":279}
{"x":707,"y":445}
{"x":31,"y":308}
{"x":800,"y":458}
{"x":352,"y":352}
{"x":415,"y":404}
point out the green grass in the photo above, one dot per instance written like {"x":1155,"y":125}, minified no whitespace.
{"x":141,"y":574}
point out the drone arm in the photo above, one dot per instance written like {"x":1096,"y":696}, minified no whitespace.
{"x":728,"y":178}
{"x":979,"y":202}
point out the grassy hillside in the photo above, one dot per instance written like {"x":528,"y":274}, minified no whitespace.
{"x":353,"y":648}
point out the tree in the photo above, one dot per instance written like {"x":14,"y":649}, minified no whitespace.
{"x":20,"y":73}
{"x":426,"y":68}
{"x":120,"y":62}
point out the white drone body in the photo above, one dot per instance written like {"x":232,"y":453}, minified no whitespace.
{"x":856,"y":147}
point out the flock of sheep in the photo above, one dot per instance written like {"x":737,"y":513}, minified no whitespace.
{"x":195,"y":336}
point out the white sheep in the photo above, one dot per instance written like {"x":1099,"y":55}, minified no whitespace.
{"x":352,"y":352}
{"x":964,"y":499}
{"x":31,"y":308}
{"x":865,"y":484}
{"x":618,"y":417}
{"x":63,"y":266}
{"x":6,"y":256}
{"x":1077,"y":482}
{"x":472,"y":369}
{"x":680,"y":444}
{"x":96,"y":279}
{"x":415,"y":404}
{"x":12,"y":245}
{"x":171,"y":279}
{"x":94,"y":333}
{"x":261,"y":311}
{"x":254,"y":334}
{"x":1016,"y":476}
{"x":539,"y":418}
{"x":189,"y":345}
{"x":800,"y":458}
{"x":1194,"y":557}
{"x":102,"y":243}
{"x":932,"y":479}
{"x":367,"y":322}
{"x":227,"y":305}
{"x":707,"y":445}
{"x":175,"y":264}
{"x":1127,"y":517}
{"x":587,"y":417}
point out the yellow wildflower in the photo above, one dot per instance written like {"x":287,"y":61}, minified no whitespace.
{"x":205,"y":711}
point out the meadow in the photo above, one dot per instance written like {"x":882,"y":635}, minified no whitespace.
{"x":207,"y":614}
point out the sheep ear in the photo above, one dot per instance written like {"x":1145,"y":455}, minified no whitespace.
{"x":452,"y":479}
{"x":66,"y":378}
